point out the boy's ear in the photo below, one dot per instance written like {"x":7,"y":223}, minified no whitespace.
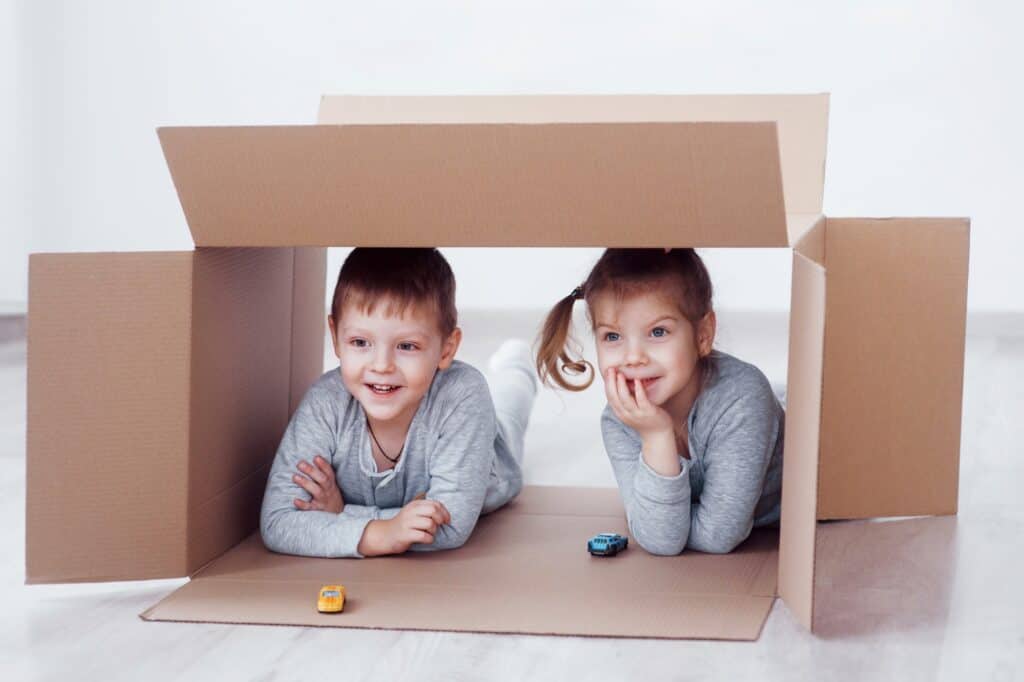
{"x":706,"y":333}
{"x":334,"y":335}
{"x":448,"y":348}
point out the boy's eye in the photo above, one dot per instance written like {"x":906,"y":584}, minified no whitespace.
{"x":611,"y":336}
{"x":658,"y":332}
{"x":359,"y":343}
{"x":407,"y":346}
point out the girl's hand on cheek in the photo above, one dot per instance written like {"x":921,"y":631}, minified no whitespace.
{"x":636,"y":412}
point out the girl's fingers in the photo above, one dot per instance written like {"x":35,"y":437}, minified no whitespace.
{"x":641,"y":395}
{"x":302,"y":504}
{"x":308,"y":485}
{"x":610,"y":382}
{"x":627,"y":400}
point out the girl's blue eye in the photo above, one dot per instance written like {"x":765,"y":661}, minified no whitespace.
{"x":611,"y":336}
{"x":654,"y":332}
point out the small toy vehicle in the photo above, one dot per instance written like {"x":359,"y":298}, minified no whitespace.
{"x":331,"y":599}
{"x":607,"y":544}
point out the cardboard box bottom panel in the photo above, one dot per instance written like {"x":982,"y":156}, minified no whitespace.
{"x":525,"y":569}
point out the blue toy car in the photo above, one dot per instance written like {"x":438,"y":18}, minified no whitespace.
{"x":607,"y":544}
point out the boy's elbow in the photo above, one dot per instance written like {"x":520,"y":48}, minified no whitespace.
{"x":270,"y":532}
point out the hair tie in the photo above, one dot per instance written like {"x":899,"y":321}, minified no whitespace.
{"x":577,"y":293}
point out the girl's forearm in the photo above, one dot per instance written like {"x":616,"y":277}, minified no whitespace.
{"x":659,"y":451}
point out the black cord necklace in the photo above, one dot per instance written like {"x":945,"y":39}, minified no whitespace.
{"x":386,"y":456}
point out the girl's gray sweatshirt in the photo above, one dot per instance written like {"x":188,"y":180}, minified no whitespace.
{"x":733,"y":479}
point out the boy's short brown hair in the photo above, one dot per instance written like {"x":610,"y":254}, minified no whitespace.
{"x":401,"y":278}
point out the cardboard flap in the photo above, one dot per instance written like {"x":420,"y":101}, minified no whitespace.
{"x":108,"y":422}
{"x":800,"y":460}
{"x":582,"y":184}
{"x":894,"y":363}
{"x":241,"y":380}
{"x":802,"y":121}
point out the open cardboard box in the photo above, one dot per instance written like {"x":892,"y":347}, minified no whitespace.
{"x":159,"y":384}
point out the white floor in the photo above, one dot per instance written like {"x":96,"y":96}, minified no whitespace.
{"x":945,"y":601}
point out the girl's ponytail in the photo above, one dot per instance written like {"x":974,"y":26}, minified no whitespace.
{"x":553,"y":357}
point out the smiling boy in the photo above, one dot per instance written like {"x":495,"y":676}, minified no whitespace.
{"x":401,"y":447}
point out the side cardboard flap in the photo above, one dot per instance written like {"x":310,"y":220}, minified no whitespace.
{"x":580,"y":184}
{"x":107,"y":418}
{"x":803,"y":420}
{"x":802,"y":121}
{"x":894,"y":362}
{"x":241,"y":369}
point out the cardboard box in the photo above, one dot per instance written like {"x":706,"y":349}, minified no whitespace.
{"x":159,"y":384}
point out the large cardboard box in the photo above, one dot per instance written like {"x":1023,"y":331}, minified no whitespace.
{"x":159,"y":384}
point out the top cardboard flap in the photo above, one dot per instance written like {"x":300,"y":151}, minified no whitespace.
{"x":802,"y":121}
{"x":580,"y":184}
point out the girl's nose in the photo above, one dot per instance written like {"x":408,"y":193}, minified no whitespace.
{"x":635,"y":355}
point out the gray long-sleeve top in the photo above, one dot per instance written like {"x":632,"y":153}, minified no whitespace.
{"x":454,"y":453}
{"x":732,"y":481}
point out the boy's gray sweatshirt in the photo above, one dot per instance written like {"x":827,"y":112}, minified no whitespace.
{"x":732,"y":481}
{"x":454,"y":453}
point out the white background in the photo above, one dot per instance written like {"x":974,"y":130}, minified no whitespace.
{"x":925,"y":117}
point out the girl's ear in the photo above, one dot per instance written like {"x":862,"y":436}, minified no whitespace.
{"x":706,"y":334}
{"x":334,"y":335}
{"x":448,"y":348}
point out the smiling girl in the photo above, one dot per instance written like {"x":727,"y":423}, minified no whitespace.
{"x":694,"y":435}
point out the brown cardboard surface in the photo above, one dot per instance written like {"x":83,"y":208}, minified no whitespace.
{"x":585,"y":184}
{"x":894,"y":354}
{"x":525,"y":569}
{"x":803,"y":422}
{"x":107,"y":416}
{"x":241,"y":380}
{"x":802,"y":121}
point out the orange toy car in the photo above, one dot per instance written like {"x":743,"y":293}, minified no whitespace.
{"x":331,"y":599}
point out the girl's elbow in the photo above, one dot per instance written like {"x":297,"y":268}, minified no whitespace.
{"x":720,"y":544}
{"x":660,"y":545}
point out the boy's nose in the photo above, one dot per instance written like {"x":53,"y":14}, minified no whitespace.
{"x":382,"y":362}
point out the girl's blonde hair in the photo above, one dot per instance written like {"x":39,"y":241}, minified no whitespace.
{"x":679,"y":275}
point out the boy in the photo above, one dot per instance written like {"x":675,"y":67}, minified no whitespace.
{"x":401,"y":446}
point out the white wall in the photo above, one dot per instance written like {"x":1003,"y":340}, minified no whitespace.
{"x":925,"y":108}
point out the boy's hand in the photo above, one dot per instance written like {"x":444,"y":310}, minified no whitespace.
{"x":416,"y":523}
{"x":319,"y":481}
{"x":637,"y":412}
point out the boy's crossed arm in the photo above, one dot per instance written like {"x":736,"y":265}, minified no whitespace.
{"x":416,"y":522}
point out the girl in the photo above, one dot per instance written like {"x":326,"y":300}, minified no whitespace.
{"x":694,"y":434}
